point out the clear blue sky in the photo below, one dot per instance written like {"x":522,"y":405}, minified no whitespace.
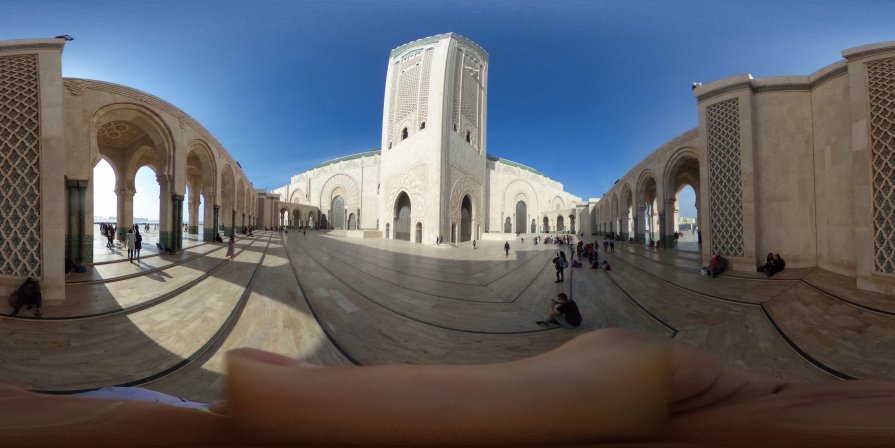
{"x":580,"y":90}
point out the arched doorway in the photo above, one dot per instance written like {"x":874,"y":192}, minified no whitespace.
{"x":466,"y":219}
{"x":507,"y":225}
{"x":572,"y":223}
{"x":521,"y":216}
{"x":560,"y":224}
{"x":402,"y":217}
{"x":534,"y":228}
{"x":352,"y":223}
{"x":324,"y":223}
{"x":337,"y":213}
{"x":546,"y":224}
{"x":419,"y":232}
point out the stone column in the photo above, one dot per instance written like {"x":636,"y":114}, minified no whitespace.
{"x":209,"y":220}
{"x":166,"y":217}
{"x":79,"y":245}
{"x":177,"y":222}
{"x":216,"y":221}
{"x":624,"y":225}
{"x":194,"y":212}
{"x":125,"y":219}
{"x":669,"y":226}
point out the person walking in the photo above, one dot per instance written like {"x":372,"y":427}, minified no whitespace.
{"x":130,"y":242}
{"x":231,"y":250}
{"x":506,"y":248}
{"x":473,"y":244}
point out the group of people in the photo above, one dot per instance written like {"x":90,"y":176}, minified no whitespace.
{"x":108,"y":231}
{"x":772,"y":265}
{"x":134,"y":242}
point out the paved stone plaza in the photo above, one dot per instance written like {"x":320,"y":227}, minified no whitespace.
{"x":165,"y":324}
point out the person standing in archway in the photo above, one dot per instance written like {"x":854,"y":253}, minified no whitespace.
{"x":506,"y":248}
{"x":130,"y":241}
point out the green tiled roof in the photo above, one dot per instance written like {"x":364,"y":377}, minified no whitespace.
{"x":374,"y":152}
{"x":516,"y":164}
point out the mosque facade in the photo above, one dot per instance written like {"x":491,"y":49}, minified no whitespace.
{"x":432,"y":175}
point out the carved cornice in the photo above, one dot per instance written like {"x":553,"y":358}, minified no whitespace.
{"x":33,"y":46}
{"x":790,"y":87}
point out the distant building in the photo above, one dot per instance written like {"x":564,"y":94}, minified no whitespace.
{"x":432,"y":175}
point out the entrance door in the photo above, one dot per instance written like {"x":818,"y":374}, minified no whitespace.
{"x":466,"y":220}
{"x":521,"y":215}
{"x":337,"y":214}
{"x":402,"y":217}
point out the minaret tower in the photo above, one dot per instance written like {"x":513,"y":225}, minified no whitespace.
{"x":434,"y":141}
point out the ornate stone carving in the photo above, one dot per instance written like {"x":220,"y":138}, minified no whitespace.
{"x":410,"y":185}
{"x":881,"y":88}
{"x":297,"y":196}
{"x":462,"y":186}
{"x":346,"y":183}
{"x":725,"y":178}
{"x":20,"y":235}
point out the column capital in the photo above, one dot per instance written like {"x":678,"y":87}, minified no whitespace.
{"x":177,"y":197}
{"x":75,"y":183}
{"x":126,"y":192}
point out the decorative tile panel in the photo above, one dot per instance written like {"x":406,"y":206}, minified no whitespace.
{"x":20,"y":237}
{"x":725,"y":178}
{"x":881,"y":88}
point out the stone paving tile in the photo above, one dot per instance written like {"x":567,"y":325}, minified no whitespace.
{"x":741,"y":289}
{"x":846,"y":288}
{"x":276,"y":318}
{"x":851,"y":340}
{"x":123,"y":268}
{"x":386,"y":301}
{"x":123,"y":347}
{"x":725,"y":329}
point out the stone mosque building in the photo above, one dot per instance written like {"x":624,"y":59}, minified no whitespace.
{"x":433,"y":175}
{"x":803,"y":166}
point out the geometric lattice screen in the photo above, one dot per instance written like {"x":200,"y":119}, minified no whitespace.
{"x":466,"y":108}
{"x":881,"y":86}
{"x":410,"y":93}
{"x":725,"y":178}
{"x":19,"y":166}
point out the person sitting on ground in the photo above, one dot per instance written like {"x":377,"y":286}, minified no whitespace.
{"x":28,"y":295}
{"x":777,"y":265}
{"x":768,"y":264}
{"x":617,"y":387}
{"x":717,"y":265}
{"x":563,"y":311}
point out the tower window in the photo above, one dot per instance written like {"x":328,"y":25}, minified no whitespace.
{"x":468,"y":138}
{"x":422,"y":125}
{"x":455,"y":126}
{"x":404,"y":134}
